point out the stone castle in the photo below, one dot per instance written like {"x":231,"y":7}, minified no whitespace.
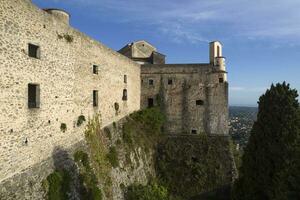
{"x":51,"y":74}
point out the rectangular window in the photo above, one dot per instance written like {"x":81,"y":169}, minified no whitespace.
{"x":150,"y":102}
{"x":95,"y":98}
{"x":221,"y":80}
{"x":170,"y":81}
{"x":151,"y":81}
{"x":124,"y":98}
{"x":125,"y":78}
{"x":33,"y":51}
{"x":95,"y":69}
{"x":194,"y":131}
{"x":33,"y":95}
{"x":199,"y":102}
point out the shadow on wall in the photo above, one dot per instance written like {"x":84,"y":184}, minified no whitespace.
{"x":62,"y":183}
{"x":61,"y":159}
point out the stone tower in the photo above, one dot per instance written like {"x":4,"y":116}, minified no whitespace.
{"x":194,"y":97}
{"x":216,"y":57}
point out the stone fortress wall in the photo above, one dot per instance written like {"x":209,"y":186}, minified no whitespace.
{"x":64,"y":75}
{"x":71,"y":71}
{"x":194,"y":97}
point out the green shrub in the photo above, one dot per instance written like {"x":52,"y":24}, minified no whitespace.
{"x":80,"y":120}
{"x":96,"y":140}
{"x":68,"y":38}
{"x":63,"y":127}
{"x":112,"y":156}
{"x":152,"y":191}
{"x":82,"y":157}
{"x":58,"y":184}
{"x":152,"y":118}
{"x":88,"y":181}
{"x":128,"y":134}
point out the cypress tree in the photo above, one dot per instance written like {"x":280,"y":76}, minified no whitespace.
{"x":270,"y":164}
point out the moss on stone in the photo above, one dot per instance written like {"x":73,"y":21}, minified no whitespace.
{"x":152,"y":191}
{"x":58,"y":185}
{"x":87,"y":178}
{"x":98,"y":147}
{"x":80,"y":120}
{"x":189,"y":166}
{"x":112,"y":156}
{"x":63,"y":127}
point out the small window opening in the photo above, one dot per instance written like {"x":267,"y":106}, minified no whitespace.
{"x":33,"y":51}
{"x":170,"y":81}
{"x":194,"y":131}
{"x":221,"y":80}
{"x":95,"y":98}
{"x":124,"y":98}
{"x":199,"y":102}
{"x":150,"y":102}
{"x":95,"y":69}
{"x":33,"y":96}
{"x":151,"y":81}
{"x":218,"y":51}
{"x":125,"y":78}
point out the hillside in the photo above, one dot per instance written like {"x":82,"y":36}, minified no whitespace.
{"x":241,"y":120}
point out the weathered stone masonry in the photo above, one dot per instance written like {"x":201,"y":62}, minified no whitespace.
{"x":51,"y":74}
{"x":64,"y":73}
{"x":194,"y":97}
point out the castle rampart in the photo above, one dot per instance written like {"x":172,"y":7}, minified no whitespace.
{"x":50,"y":75}
{"x":53,"y":77}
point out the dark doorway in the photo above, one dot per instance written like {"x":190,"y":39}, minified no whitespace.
{"x":150,"y":102}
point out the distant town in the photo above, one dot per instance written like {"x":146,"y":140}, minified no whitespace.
{"x":241,"y":120}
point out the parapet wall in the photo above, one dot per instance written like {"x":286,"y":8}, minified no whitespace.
{"x":64,"y":72}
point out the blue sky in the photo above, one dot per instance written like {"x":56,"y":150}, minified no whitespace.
{"x":261,"y":38}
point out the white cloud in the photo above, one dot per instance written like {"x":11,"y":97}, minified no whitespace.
{"x":247,"y":89}
{"x":199,"y":20}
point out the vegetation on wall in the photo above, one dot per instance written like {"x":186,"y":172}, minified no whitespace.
{"x":80,"y":120}
{"x":185,"y":166}
{"x":98,"y":147}
{"x":189,"y":166}
{"x":57,"y":185}
{"x":270,"y":164}
{"x":88,"y":181}
{"x":63,"y":127}
{"x":69,"y":38}
{"x":152,"y":191}
{"x":113,"y":157}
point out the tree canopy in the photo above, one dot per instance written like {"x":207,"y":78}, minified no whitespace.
{"x":271,"y":161}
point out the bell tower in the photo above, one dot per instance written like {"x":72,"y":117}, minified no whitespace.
{"x":216,"y":57}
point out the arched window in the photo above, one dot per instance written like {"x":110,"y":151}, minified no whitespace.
{"x":218,"y":51}
{"x":124,"y":98}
